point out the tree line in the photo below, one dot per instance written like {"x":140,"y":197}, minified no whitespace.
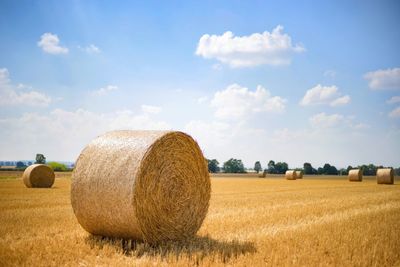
{"x":236,"y":166}
{"x":41,"y":159}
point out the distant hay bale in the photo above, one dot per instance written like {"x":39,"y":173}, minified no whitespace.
{"x":38,"y":175}
{"x":290,"y":175}
{"x":262,"y":174}
{"x":385,"y":176}
{"x":299,"y":174}
{"x":355,"y":175}
{"x":145,"y":185}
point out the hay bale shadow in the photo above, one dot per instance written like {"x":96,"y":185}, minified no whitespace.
{"x":195,"y":249}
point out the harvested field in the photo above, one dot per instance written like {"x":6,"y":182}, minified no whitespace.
{"x":260,"y":221}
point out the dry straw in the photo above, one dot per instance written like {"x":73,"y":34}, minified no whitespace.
{"x":355,"y":175}
{"x":146,"y":185}
{"x":38,"y":175}
{"x":290,"y":175}
{"x":385,"y":176}
{"x":299,"y":174}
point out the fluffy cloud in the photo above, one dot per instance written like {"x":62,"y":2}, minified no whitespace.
{"x":340,"y":101}
{"x":236,"y":102}
{"x":383,"y":79}
{"x":104,"y":90}
{"x":151,"y":109}
{"x":393,"y":100}
{"x":11,"y":95}
{"x":62,"y":134}
{"x":51,"y":44}
{"x":395,"y":113}
{"x":273,"y":48}
{"x":322,"y":120}
{"x":319,"y":95}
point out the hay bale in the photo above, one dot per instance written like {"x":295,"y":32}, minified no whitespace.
{"x":262,"y":174}
{"x":290,"y":175}
{"x":145,"y":185}
{"x":355,"y":175}
{"x":38,"y":175}
{"x":299,"y":174}
{"x":385,"y":176}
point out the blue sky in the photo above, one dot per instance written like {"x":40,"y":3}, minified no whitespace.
{"x":256,"y":80}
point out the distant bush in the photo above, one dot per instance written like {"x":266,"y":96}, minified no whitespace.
{"x":56,"y":166}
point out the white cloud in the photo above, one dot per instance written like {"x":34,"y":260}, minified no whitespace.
{"x":62,"y":134}
{"x":90,"y":49}
{"x":393,"y":100}
{"x":50,"y":44}
{"x":151,"y":109}
{"x":236,"y":102}
{"x":273,"y":48}
{"x":319,"y":95}
{"x":395,"y":113}
{"x":322,"y":120}
{"x":383,"y":79}
{"x":11,"y":95}
{"x":340,"y":101}
{"x":104,"y":90}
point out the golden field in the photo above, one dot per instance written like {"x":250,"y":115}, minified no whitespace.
{"x":318,"y":221}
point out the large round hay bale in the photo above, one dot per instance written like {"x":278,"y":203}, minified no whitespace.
{"x":385,"y":176}
{"x":38,"y":175}
{"x":290,"y":175}
{"x":145,"y":185}
{"x":355,"y":175}
{"x":299,"y":174}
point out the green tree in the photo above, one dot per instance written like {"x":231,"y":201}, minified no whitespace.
{"x":281,"y":167}
{"x":234,"y":166}
{"x":369,"y":170}
{"x":328,"y":169}
{"x":56,"y":166}
{"x":257,"y":166}
{"x":308,"y":169}
{"x":333,"y":171}
{"x":271,"y":166}
{"x":213,"y":165}
{"x":40,"y":159}
{"x":20,"y":164}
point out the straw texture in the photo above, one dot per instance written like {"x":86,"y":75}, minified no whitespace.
{"x":299,"y":174}
{"x":146,"y":185}
{"x":290,"y":175}
{"x":355,"y":175}
{"x":38,"y":175}
{"x":385,"y":176}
